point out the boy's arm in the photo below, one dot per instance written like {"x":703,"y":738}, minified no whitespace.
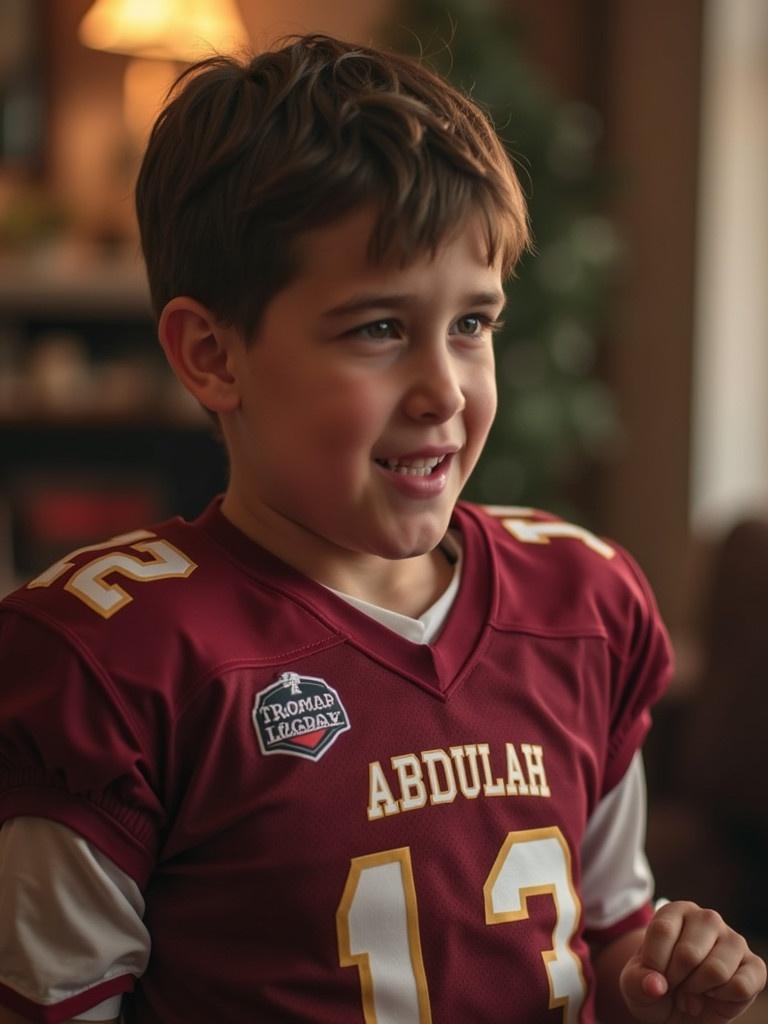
{"x":72,"y":926}
{"x":59,"y":722}
{"x":686,"y":964}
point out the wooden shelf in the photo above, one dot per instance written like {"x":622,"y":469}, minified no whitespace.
{"x":83,"y":419}
{"x":90,"y":285}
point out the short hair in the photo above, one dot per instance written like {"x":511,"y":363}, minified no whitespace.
{"x":248,"y":155}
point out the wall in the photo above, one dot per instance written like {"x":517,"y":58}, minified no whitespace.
{"x":730,"y":426}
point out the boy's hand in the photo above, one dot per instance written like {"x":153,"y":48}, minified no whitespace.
{"x":691,"y":966}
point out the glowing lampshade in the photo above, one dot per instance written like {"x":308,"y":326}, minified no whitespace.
{"x":176,"y":30}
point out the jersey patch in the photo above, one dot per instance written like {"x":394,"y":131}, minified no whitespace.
{"x":299,"y":715}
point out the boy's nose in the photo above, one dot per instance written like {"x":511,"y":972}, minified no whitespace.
{"x":435,"y":393}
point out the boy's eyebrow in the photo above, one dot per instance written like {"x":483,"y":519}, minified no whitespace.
{"x":375,"y":300}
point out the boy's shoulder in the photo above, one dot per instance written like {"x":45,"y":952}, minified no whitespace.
{"x":170,"y":591}
{"x":556,"y":576}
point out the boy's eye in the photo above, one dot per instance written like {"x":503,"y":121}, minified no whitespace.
{"x":476,"y":323}
{"x":472,"y":325}
{"x":469,"y":325}
{"x":378,"y":330}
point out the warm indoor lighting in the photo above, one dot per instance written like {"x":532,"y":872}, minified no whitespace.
{"x":159,"y":37}
{"x":176,"y":30}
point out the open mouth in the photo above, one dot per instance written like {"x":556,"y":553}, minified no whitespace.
{"x":412,"y":467}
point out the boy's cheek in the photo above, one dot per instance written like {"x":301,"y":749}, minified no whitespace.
{"x":482,"y":406}
{"x":354,"y":417}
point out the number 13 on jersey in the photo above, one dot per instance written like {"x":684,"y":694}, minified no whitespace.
{"x":378,"y":926}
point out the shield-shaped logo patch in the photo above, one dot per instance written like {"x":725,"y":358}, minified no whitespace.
{"x":298,"y":715}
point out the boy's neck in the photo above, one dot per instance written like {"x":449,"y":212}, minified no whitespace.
{"x":409,"y":586}
{"x":406,"y":585}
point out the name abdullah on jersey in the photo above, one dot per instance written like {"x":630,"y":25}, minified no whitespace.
{"x":439,"y":776}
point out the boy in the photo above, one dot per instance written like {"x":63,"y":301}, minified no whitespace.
{"x":341,"y":750}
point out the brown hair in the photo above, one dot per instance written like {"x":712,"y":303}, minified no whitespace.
{"x":247,"y":156}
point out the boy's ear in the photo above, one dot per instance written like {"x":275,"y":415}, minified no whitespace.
{"x":201,"y":352}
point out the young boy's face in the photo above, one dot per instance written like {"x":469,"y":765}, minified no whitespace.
{"x":365,"y":398}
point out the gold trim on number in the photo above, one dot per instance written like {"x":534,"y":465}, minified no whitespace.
{"x":362,"y":960}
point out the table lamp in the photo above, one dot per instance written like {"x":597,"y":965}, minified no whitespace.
{"x":158,"y":36}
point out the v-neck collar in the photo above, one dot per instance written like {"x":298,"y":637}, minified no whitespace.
{"x":423,"y":628}
{"x":437,"y":667}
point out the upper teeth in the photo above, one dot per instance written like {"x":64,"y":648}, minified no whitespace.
{"x":413,"y":467}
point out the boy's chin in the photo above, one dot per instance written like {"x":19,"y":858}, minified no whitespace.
{"x":401,"y":546}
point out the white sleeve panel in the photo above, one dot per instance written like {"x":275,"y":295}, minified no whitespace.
{"x":616,"y":877}
{"x":69,"y":918}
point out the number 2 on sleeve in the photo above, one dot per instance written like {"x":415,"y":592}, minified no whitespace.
{"x":378,"y":928}
{"x":89,"y":583}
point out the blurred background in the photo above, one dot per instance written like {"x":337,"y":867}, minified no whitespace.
{"x":633,"y":366}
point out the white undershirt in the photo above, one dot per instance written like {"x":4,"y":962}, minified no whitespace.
{"x":93,"y":927}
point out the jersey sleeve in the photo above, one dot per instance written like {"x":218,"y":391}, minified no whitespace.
{"x":642,"y":669}
{"x":72,"y":938}
{"x":71,"y":751}
{"x":617,"y":882}
{"x":558,"y":579}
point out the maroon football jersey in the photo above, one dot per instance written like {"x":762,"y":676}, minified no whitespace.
{"x":330,"y":823}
